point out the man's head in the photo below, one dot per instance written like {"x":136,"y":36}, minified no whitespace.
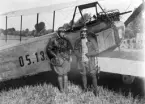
{"x":61,"y":32}
{"x":84,"y":32}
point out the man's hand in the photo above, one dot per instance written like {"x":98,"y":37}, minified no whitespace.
{"x":92,"y":54}
{"x":87,"y":55}
{"x":57,"y":61}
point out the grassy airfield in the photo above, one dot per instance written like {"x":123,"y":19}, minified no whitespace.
{"x":48,"y":94}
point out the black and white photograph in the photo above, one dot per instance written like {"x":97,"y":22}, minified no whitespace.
{"x":72,"y":52}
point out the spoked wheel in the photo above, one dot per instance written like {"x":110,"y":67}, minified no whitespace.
{"x":127,"y":79}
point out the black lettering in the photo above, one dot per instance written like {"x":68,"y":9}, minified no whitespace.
{"x":43,"y":56}
{"x":37,"y":57}
{"x":21,"y":61}
{"x":28,"y":59}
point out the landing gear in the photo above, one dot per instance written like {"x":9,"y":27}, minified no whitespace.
{"x":127,"y":79}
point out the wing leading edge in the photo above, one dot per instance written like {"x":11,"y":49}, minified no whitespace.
{"x":36,"y":10}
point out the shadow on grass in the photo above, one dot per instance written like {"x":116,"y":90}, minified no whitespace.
{"x":111,"y":81}
{"x":44,"y":77}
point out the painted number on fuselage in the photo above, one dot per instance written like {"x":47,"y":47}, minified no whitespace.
{"x":39,"y":56}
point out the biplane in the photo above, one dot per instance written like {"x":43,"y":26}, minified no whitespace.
{"x":29,"y":57}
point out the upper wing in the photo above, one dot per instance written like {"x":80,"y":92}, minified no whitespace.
{"x":48,"y":9}
{"x":36,"y":10}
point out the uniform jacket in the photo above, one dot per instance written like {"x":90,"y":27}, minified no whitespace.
{"x":60,"y":47}
{"x":93,"y":50}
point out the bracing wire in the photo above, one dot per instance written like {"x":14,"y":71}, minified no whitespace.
{"x":128,"y":5}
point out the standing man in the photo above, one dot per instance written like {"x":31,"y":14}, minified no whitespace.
{"x":59,"y":52}
{"x":87,"y":61}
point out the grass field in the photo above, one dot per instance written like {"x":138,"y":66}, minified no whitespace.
{"x":48,"y":94}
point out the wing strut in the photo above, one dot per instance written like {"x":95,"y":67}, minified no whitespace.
{"x":37,"y":19}
{"x":82,"y":15}
{"x":6,"y":27}
{"x":72,"y":21}
{"x":21,"y":29}
{"x":53,"y":21}
{"x":96,"y":10}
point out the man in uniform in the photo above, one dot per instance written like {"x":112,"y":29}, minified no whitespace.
{"x":59,"y":51}
{"x":87,"y":61}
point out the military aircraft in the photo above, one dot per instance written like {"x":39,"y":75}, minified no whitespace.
{"x":29,"y":57}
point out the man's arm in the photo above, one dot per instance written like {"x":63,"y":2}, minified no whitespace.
{"x":69,"y":45}
{"x":92,"y":54}
{"x":94,"y":48}
{"x":50,"y":47}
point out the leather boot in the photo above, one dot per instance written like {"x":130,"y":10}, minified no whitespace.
{"x":65,"y":83}
{"x":84,"y":79}
{"x":60,"y":81}
{"x":94,"y":78}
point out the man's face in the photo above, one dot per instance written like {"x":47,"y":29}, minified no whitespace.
{"x":84,"y":34}
{"x":62,"y":34}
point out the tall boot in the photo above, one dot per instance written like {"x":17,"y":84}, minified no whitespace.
{"x":60,"y":81}
{"x":65,"y":83}
{"x":84,"y":79}
{"x":95,"y":83}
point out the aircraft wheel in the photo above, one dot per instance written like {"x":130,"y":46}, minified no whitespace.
{"x":127,"y":79}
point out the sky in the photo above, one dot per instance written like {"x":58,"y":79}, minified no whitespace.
{"x":62,"y":16}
